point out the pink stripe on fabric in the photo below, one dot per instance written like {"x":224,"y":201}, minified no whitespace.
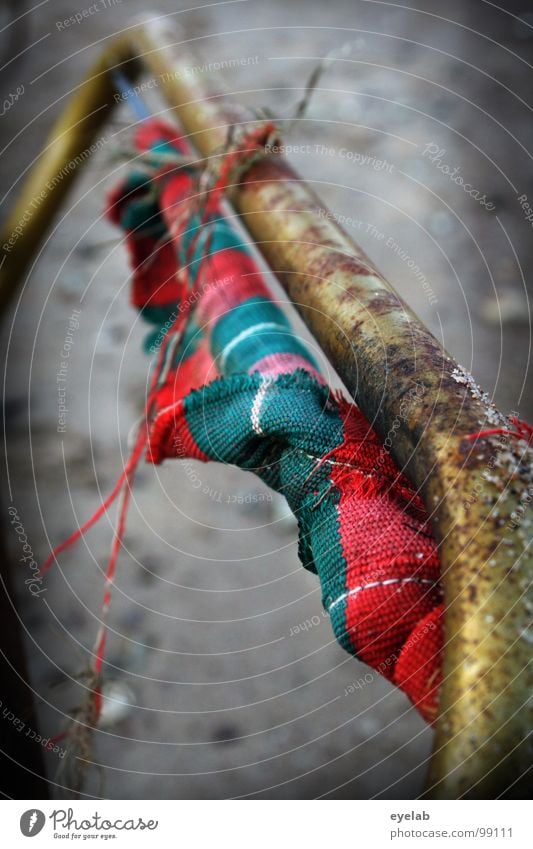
{"x":275,"y":364}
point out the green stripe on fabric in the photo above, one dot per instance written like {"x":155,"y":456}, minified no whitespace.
{"x":218,"y":416}
{"x":141,"y":211}
{"x":297,"y":426}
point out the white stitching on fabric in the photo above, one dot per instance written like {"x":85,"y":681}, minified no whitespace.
{"x":258,"y":402}
{"x":380,"y":584}
{"x":271,"y":325}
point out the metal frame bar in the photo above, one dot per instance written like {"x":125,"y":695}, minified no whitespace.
{"x":381,"y":350}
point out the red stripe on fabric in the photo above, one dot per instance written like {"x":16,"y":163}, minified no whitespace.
{"x":170,"y":437}
{"x":192,"y":373}
{"x":419,"y":668}
{"x":153,"y":131}
{"x":233,"y":277}
{"x":385,"y":539}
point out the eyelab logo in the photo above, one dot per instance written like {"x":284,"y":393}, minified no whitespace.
{"x":32,"y":822}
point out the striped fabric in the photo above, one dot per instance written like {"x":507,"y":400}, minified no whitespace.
{"x":240,"y":387}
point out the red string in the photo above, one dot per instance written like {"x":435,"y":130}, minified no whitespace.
{"x":257,"y":138}
{"x":81,"y":531}
{"x":522,"y":430}
{"x":252,"y":141}
{"x":110,"y":577}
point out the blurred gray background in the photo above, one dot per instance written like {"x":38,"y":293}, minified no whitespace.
{"x":213,"y":690}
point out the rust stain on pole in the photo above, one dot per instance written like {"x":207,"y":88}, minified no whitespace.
{"x":478,"y":492}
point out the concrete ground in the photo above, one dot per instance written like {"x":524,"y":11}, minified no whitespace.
{"x":213,"y":690}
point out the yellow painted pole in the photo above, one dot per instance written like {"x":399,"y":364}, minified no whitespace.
{"x":67,"y":149}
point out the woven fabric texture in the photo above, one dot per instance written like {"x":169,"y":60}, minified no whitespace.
{"x":238,"y":386}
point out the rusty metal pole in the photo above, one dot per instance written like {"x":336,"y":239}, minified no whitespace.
{"x":478,"y":492}
{"x":66,"y":150}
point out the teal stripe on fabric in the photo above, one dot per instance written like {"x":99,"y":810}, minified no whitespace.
{"x":316,"y":428}
{"x":301,"y":414}
{"x":218,"y":416}
{"x":163,"y":317}
{"x":254,"y":329}
{"x":296,"y":426}
{"x":141,"y":211}
{"x":326,"y":542}
{"x":158,"y":314}
{"x":249,"y":313}
{"x":135,"y":180}
{"x":165,"y":147}
{"x":259,"y":344}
